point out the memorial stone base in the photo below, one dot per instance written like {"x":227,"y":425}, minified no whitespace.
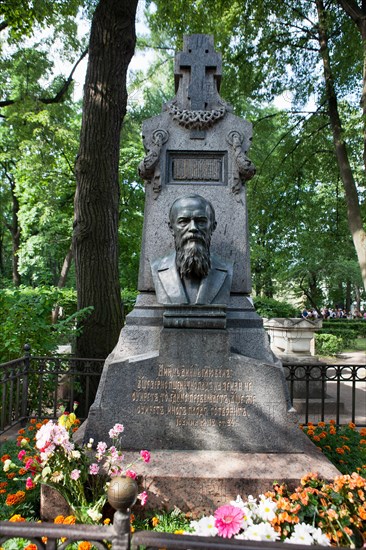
{"x":218,"y":423}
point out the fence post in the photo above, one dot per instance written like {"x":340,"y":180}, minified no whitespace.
{"x":122,"y":494}
{"x":24,"y":408}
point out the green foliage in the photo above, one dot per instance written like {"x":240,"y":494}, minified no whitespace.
{"x":13,"y":481}
{"x":344,"y":446}
{"x":328,"y":344}
{"x":25,"y":317}
{"x":128,"y":299}
{"x":347,"y":336}
{"x":163,"y":522}
{"x":359,"y":327}
{"x":269,"y":307}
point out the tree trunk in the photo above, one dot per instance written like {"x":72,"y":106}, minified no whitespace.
{"x":14,"y":229}
{"x":111,"y":47}
{"x":353,"y":206}
{"x":62,"y":280}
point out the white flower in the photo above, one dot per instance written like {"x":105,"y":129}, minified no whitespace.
{"x":266,"y":509}
{"x":75,"y":454}
{"x":302,"y":534}
{"x":319,"y":537}
{"x":90,"y":443}
{"x":204,"y":527}
{"x":94,"y":514}
{"x":57,"y":476}
{"x":262,"y":531}
{"x":7,"y":465}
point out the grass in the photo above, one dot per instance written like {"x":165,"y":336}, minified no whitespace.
{"x":358,"y":345}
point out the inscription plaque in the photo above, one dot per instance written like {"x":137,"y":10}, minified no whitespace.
{"x":194,"y":396}
{"x":204,"y":168}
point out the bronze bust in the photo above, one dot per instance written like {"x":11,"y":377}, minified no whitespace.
{"x":191,"y":275}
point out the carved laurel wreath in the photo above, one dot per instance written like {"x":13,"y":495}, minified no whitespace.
{"x":196,"y":120}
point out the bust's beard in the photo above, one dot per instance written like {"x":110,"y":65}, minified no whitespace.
{"x":193,"y":259}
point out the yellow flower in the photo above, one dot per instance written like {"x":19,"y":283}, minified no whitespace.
{"x":155,"y":521}
{"x":179,"y":532}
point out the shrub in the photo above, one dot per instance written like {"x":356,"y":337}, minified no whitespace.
{"x":328,"y":344}
{"x":269,"y":307}
{"x":346,"y":335}
{"x":26,"y":317}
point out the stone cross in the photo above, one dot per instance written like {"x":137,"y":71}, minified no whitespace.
{"x":198,"y":56}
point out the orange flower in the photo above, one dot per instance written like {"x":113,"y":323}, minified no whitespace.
{"x":363,"y":432}
{"x":5,"y":457}
{"x":11,"y":475}
{"x":2,"y":491}
{"x":332,"y":430}
{"x":332,"y":514}
{"x":346,"y":448}
{"x":59,"y":519}
{"x":39,"y":425}
{"x":321,"y":424}
{"x":85,"y":545}
{"x":16,"y":498}
{"x":316,"y":438}
{"x":21,"y":431}
{"x":22,"y":471}
{"x":3,"y":484}
{"x":323,"y":435}
{"x":30,"y":547}
{"x":362,"y":512}
{"x":69,"y":520}
{"x":155,"y":521}
{"x":362,"y":441}
{"x":332,"y":422}
{"x":17,"y":518}
{"x":32,"y":421}
{"x":340,"y":450}
{"x":352,"y":425}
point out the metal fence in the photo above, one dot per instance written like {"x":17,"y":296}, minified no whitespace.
{"x":117,"y":536}
{"x":321,"y":392}
{"x":36,"y":386}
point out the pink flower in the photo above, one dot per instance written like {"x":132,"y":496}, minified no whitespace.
{"x":29,"y":483}
{"x":131,"y":473}
{"x":93,"y":469}
{"x":228,"y":520}
{"x":21,"y":454}
{"x":143,"y":498}
{"x":75,"y":474}
{"x":145,"y":455}
{"x":29,"y":464}
{"x":115,"y":431}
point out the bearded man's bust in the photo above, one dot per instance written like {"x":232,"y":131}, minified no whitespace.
{"x":191,"y":275}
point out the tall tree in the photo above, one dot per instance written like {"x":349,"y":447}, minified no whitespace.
{"x":111,"y":47}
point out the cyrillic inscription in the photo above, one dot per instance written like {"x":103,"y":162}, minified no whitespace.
{"x":194,"y":396}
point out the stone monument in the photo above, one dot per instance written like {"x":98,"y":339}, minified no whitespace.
{"x":193,"y":377}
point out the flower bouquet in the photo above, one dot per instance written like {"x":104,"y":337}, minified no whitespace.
{"x":79,"y":474}
{"x":317,"y":512}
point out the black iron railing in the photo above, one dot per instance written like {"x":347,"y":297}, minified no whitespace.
{"x":320,"y":392}
{"x":36,"y":386}
{"x":117,"y":537}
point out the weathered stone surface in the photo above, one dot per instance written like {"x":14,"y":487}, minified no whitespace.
{"x":292,"y":338}
{"x":195,"y":394}
{"x":200,"y":481}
